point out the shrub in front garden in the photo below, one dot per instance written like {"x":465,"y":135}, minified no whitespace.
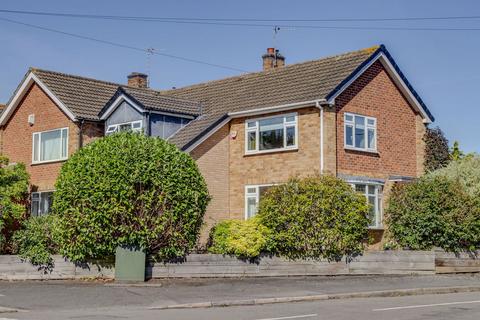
{"x":466,"y":171}
{"x":242,"y":238}
{"x":34,"y":242}
{"x":13,"y":200}
{"x":129,"y":189}
{"x":433,"y":212}
{"x":315,"y":217}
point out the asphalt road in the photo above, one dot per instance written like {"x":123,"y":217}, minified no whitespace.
{"x":459,"y":306}
{"x":95,"y":300}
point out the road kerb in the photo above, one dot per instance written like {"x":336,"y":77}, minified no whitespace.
{"x":320,"y":297}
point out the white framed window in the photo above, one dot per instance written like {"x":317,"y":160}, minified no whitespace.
{"x":50,"y":145}
{"x":373,"y":195}
{"x":253,"y":193}
{"x":360,"y":132}
{"x":41,"y":203}
{"x":271,"y":134}
{"x":126,"y":126}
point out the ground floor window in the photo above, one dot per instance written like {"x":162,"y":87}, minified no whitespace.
{"x":253,"y":193}
{"x":41,"y":203}
{"x":373,"y":195}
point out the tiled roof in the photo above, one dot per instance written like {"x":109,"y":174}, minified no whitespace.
{"x":294,"y":83}
{"x":155,"y":100}
{"x":2,"y":107}
{"x":86,"y":97}
{"x":212,"y":101}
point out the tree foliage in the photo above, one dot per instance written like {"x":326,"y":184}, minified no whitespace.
{"x":456,"y":154}
{"x":315,"y":217}
{"x":129,"y":189}
{"x":465,"y":171}
{"x":434,"y":211}
{"x":242,"y":238}
{"x":13,"y":200}
{"x":437,"y":153}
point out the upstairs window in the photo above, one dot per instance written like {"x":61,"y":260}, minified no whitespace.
{"x":41,"y":203}
{"x":50,"y":145}
{"x":127,"y":126}
{"x":360,"y":132}
{"x":271,"y":134}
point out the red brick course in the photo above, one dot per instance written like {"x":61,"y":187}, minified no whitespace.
{"x":17,"y":135}
{"x":375,"y":94}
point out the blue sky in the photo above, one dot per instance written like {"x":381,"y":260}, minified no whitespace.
{"x":443,"y":66}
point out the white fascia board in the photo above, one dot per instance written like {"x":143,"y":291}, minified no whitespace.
{"x":254,"y":112}
{"x":279,"y":108}
{"x":119,"y":101}
{"x":29,"y":80}
{"x":397,"y":80}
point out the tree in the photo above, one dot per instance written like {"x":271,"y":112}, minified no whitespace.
{"x":466,"y":171}
{"x":456,"y":154}
{"x":437,"y":153}
{"x":13,"y":199}
{"x":128,"y":189}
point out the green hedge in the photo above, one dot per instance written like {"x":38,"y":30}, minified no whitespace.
{"x":129,"y":189}
{"x":35,"y":241}
{"x":13,"y":201}
{"x":315,"y":217}
{"x":245,"y":239}
{"x":434,"y":211}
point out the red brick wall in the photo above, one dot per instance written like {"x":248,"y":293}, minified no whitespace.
{"x":91,"y":131}
{"x":17,"y":135}
{"x":374,"y":94}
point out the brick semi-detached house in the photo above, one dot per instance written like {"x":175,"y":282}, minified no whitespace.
{"x":353,"y":115}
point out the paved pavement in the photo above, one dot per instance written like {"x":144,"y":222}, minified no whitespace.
{"x":84,"y":300}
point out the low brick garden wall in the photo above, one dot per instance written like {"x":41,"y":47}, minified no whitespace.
{"x":212,"y":265}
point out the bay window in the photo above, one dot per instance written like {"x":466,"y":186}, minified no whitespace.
{"x":373,"y":196}
{"x":360,"y":132}
{"x":41,"y":203}
{"x":50,"y":145}
{"x":253,"y":193}
{"x":272,"y":133}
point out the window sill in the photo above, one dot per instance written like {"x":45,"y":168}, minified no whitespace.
{"x":252,"y":153}
{"x":47,"y":162}
{"x":362,"y":150}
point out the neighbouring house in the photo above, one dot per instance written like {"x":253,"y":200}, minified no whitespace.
{"x":2,"y":107}
{"x":353,"y":115}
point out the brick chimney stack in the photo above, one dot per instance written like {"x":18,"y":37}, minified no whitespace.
{"x":138,"y":80}
{"x":273,"y":59}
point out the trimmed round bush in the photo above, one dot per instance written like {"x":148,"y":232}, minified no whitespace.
{"x":315,"y":217}
{"x":433,"y":212}
{"x":129,"y":189}
{"x":241,"y":238}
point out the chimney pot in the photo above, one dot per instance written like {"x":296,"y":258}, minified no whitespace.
{"x":138,"y":80}
{"x":273,"y":59}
